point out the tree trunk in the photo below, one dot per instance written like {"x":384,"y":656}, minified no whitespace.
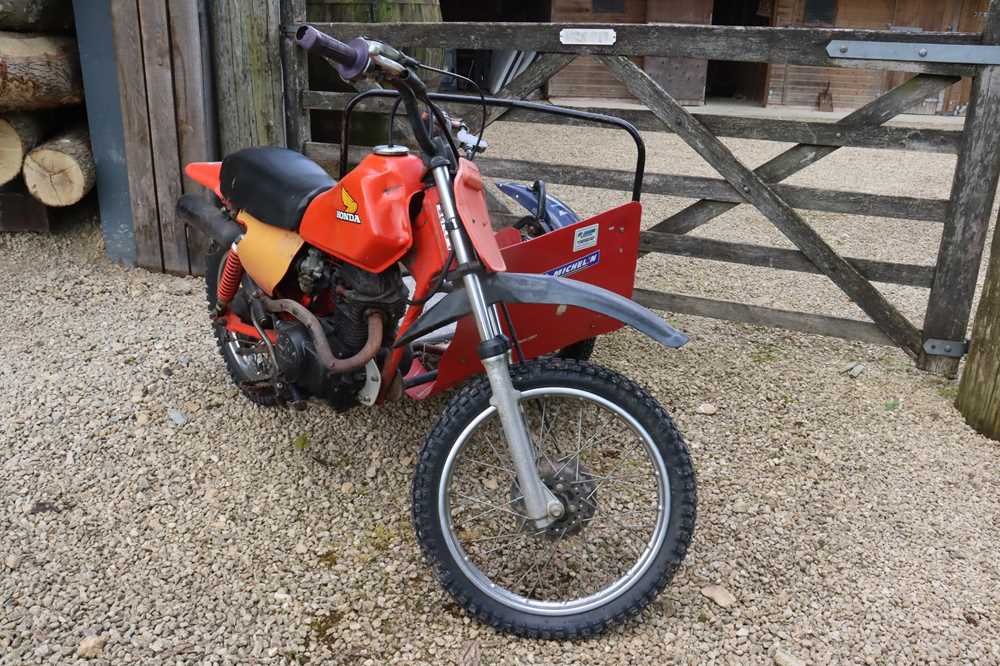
{"x":37,"y":15}
{"x":61,"y":171}
{"x":979,"y":391}
{"x":19,"y":133}
{"x":38,"y":71}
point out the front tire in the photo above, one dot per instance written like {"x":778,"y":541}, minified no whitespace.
{"x":465,"y":503}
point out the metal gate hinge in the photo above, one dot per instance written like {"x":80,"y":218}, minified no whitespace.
{"x":949,"y":348}
{"x":959,"y":54}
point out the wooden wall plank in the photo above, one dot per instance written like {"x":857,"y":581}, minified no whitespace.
{"x":246,"y":57}
{"x":194,"y":109}
{"x":163,"y":132}
{"x":135,"y":121}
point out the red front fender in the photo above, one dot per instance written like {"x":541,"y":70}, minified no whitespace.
{"x":601,"y":250}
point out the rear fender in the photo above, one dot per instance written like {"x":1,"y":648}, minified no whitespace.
{"x":546,"y":290}
{"x":206,"y":174}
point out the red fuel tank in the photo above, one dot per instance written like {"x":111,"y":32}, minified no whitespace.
{"x":365,"y":219}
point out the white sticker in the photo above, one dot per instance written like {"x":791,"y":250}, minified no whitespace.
{"x":585,"y":237}
{"x":588,"y":36}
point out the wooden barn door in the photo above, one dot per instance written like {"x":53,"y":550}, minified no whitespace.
{"x":683,"y":78}
{"x":585,"y":77}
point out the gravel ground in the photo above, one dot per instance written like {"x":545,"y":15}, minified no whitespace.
{"x":150,"y":516}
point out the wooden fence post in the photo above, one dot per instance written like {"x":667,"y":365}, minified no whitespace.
{"x":979,"y":391}
{"x":972,"y":195}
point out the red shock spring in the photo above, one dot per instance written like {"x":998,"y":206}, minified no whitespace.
{"x":229,"y":283}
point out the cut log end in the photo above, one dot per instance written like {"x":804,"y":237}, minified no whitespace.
{"x":19,"y":133}
{"x":61,"y":172}
{"x":11,"y":153}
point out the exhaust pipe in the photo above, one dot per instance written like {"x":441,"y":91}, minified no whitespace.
{"x":199,"y":214}
{"x":320,"y":343}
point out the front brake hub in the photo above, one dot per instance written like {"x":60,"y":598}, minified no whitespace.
{"x":572,"y":485}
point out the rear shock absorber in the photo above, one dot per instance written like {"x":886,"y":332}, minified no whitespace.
{"x":229,"y":283}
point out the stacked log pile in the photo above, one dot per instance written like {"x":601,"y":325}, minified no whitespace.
{"x":44,"y":144}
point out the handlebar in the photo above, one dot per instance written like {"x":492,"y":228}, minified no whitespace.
{"x":351,"y":59}
{"x":363,"y":57}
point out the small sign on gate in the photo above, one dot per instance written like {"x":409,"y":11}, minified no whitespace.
{"x":588,"y":36}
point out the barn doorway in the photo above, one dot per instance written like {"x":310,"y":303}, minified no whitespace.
{"x":739,"y":82}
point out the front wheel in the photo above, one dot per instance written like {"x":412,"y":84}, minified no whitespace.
{"x":607,"y":451}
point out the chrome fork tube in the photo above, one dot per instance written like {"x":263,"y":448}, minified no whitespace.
{"x":541,"y":506}
{"x":486,"y":321}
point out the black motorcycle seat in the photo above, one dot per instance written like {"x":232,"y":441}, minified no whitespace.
{"x":275,"y":185}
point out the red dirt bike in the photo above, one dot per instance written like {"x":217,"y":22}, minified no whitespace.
{"x":553,"y":497}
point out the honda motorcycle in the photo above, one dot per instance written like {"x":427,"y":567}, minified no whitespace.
{"x":553,"y":497}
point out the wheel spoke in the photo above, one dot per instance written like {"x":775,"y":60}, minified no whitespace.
{"x":478,"y":500}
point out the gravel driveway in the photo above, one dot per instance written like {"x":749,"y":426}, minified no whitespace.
{"x":846,"y":520}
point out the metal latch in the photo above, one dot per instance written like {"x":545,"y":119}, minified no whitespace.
{"x":961,"y":54}
{"x":949,"y":348}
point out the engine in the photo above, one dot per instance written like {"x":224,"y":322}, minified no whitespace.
{"x":342,"y":296}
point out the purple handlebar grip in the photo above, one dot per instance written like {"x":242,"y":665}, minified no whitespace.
{"x":351,"y":59}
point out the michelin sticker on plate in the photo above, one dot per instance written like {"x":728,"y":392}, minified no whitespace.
{"x":585,"y":237}
{"x":576,"y":265}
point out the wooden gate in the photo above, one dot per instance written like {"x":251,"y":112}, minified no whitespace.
{"x":937,"y":60}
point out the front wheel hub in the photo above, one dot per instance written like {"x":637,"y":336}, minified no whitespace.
{"x":575,"y":489}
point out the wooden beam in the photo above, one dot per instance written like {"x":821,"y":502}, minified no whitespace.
{"x":772,"y":257}
{"x":848,"y":329}
{"x":765,"y":199}
{"x":793,"y":46}
{"x":692,"y":187}
{"x":795,"y":159}
{"x":699,"y":187}
{"x":973,"y":192}
{"x":762,"y":129}
{"x":163,"y":133}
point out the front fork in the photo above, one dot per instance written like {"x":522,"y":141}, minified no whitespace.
{"x":541,"y":506}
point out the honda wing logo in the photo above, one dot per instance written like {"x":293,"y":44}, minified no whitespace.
{"x":350,"y":212}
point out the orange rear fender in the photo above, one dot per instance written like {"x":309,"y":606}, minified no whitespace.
{"x":207,"y":174}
